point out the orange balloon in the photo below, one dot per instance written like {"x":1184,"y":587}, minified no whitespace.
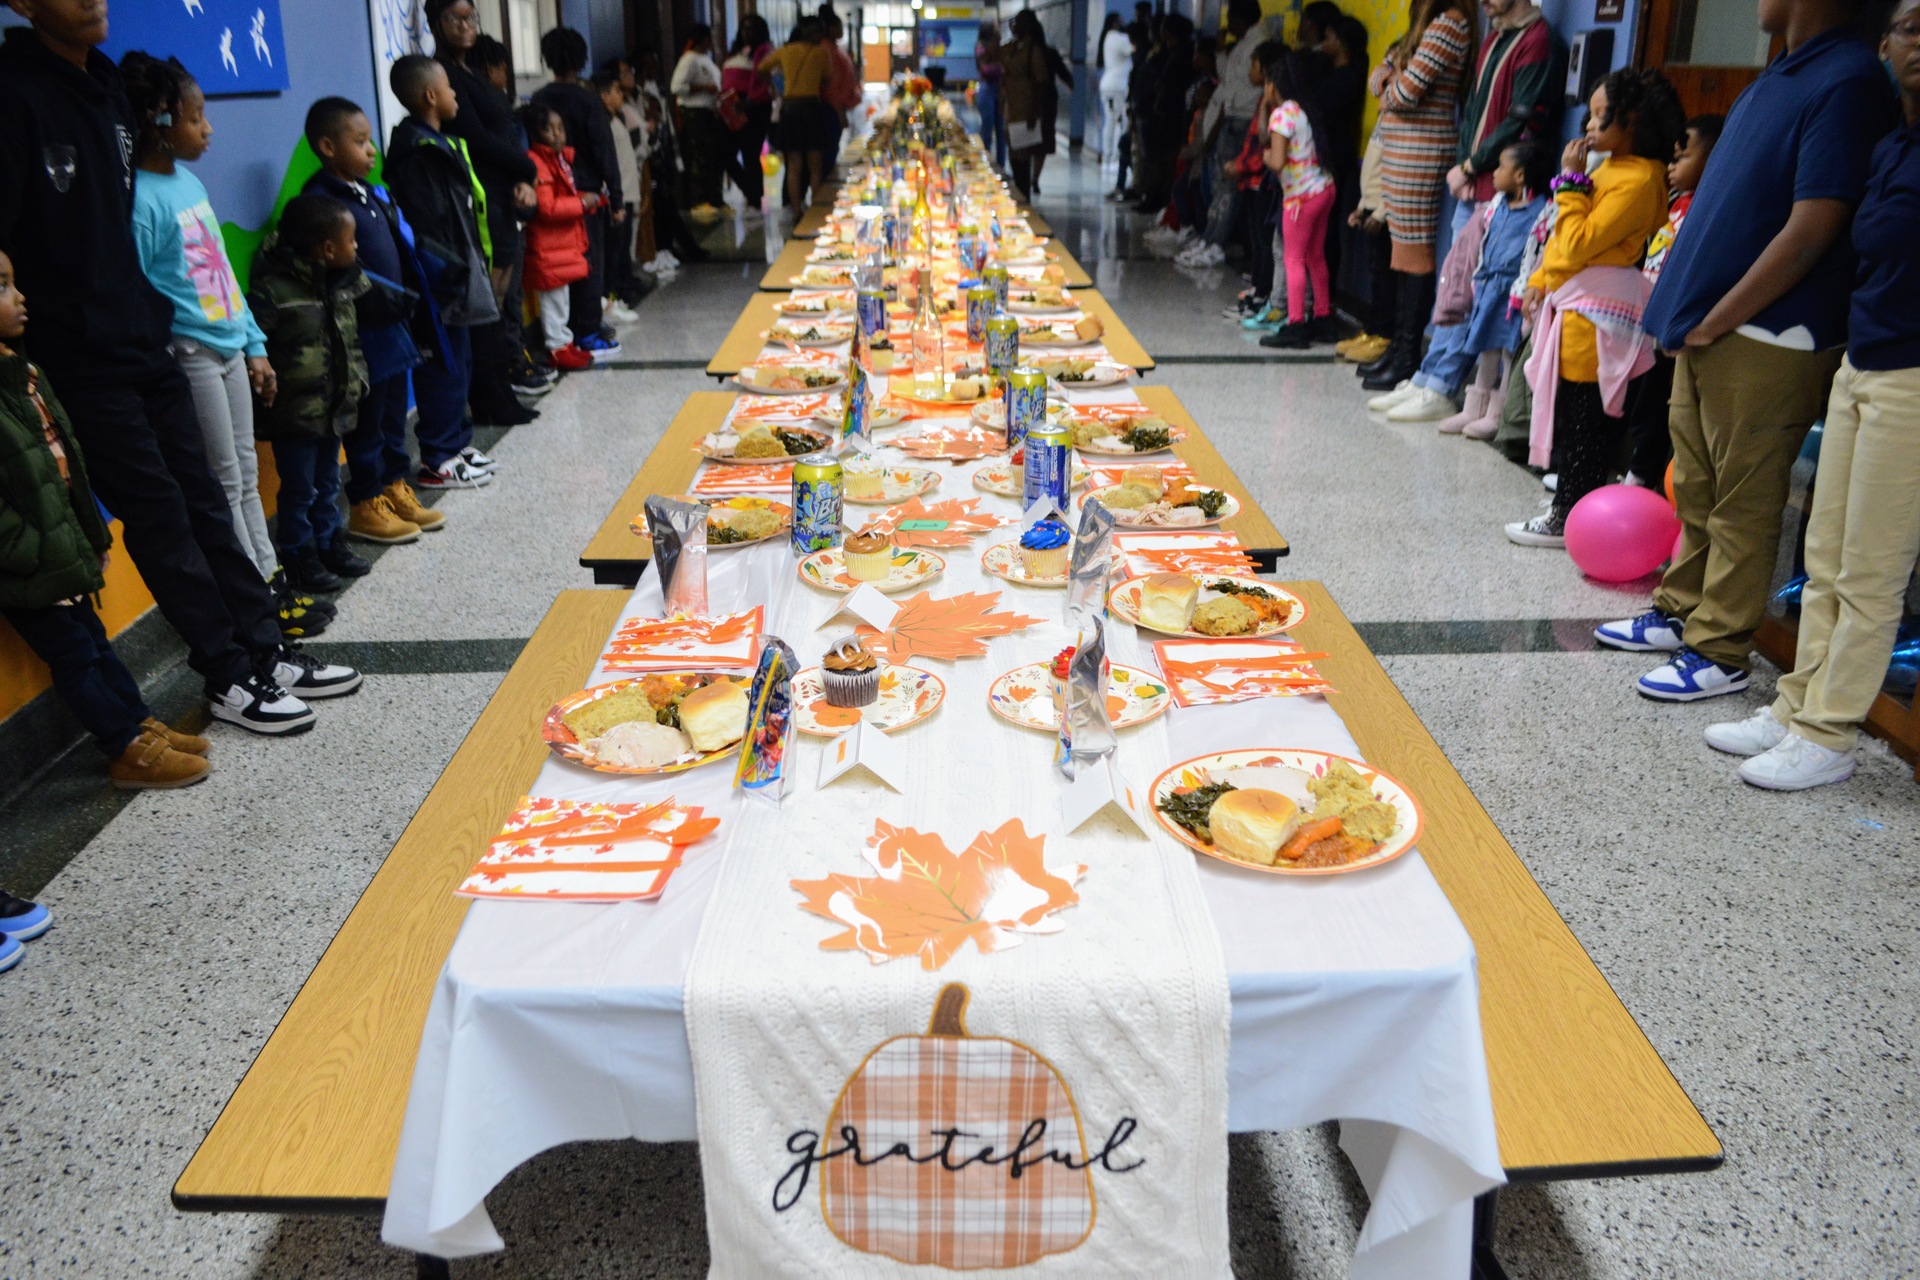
{"x":1671,"y":501}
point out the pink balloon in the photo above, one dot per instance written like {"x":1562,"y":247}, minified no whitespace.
{"x":1621,"y":532}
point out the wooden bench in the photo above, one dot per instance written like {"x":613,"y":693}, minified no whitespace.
{"x":792,"y":260}
{"x":616,"y":555}
{"x":1578,"y":1091}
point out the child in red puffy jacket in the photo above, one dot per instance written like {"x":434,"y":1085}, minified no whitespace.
{"x":556,"y":249}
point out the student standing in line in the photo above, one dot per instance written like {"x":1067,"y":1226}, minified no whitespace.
{"x":1115,"y":64}
{"x":1753,"y":299}
{"x":696,"y":89}
{"x":1865,"y":529}
{"x":102,"y":333}
{"x":557,"y":236}
{"x":596,"y":167}
{"x":1306,"y":203}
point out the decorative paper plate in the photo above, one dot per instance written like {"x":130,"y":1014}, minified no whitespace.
{"x":1129,"y":519}
{"x":561,"y":740}
{"x":639,"y":523}
{"x":1114,"y":447}
{"x":1197,"y":771}
{"x":1103,"y":374}
{"x":1124,"y":601}
{"x":826,"y":275}
{"x":750,"y":379}
{"x":816,"y":334}
{"x":907,"y":389}
{"x":828,"y":570}
{"x":1023,"y":304}
{"x":1001,"y":478}
{"x":714,"y":453}
{"x":833,"y":254}
{"x":885,"y":414}
{"x":829,"y":304}
{"x":1033,"y":257}
{"x":1048,"y":336}
{"x":992,"y":414}
{"x":897,"y":485}
{"x":958,"y":443}
{"x":908,"y":695}
{"x":1025,"y":696}
{"x":1003,"y":560}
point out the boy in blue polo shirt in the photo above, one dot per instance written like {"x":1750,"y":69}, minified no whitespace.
{"x":1753,"y":298}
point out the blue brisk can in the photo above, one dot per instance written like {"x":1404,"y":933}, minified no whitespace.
{"x":979,"y":311}
{"x":1049,"y":465}
{"x":816,"y":503}
{"x":996,"y":276}
{"x":871,"y":305}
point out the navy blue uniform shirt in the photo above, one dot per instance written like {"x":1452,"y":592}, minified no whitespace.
{"x":1803,"y":131}
{"x":1884,"y":324}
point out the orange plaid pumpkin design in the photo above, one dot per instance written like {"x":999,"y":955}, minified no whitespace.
{"x":915,"y":1091}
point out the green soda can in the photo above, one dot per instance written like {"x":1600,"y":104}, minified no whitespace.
{"x":995,"y":276}
{"x":1002,"y":342}
{"x":816,"y":503}
{"x":979,"y":311}
{"x":1026,"y":402}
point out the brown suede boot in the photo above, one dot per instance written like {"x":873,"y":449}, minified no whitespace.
{"x":407,"y":505}
{"x":375,"y":520}
{"x":149,"y":763}
{"x":187,"y":742}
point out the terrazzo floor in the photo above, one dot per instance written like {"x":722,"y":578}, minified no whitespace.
{"x":1764,"y":942}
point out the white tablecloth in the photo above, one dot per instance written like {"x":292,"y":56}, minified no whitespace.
{"x":1354,"y":997}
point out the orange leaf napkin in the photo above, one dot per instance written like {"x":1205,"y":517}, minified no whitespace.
{"x":580,"y":851}
{"x":1207,"y":671}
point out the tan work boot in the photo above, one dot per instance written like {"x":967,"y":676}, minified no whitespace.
{"x":375,"y":520}
{"x":149,"y":763}
{"x":187,"y":742}
{"x":406,"y":505}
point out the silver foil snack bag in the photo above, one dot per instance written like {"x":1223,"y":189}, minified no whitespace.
{"x":679,"y":533}
{"x":1086,"y":729}
{"x":1091,"y":564}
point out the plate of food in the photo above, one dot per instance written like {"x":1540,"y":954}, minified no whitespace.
{"x":883,"y":486}
{"x":1046,"y":333}
{"x":1082,"y":373}
{"x":955,"y":389}
{"x":1287,"y":812}
{"x":1009,"y":479}
{"x":1144,"y":501}
{"x":660,"y":723}
{"x":833,"y":251}
{"x":1040,"y":300}
{"x":1209,"y":606}
{"x":733,"y":522}
{"x":851,"y":685}
{"x":1005,"y":560}
{"x":1032,"y":696}
{"x":886,"y":412}
{"x":1129,"y":437}
{"x":824,"y":275}
{"x":992,"y":414}
{"x":817,"y":304}
{"x":788,"y":379}
{"x":760,"y":442}
{"x":811,"y":333}
{"x":870,"y":559}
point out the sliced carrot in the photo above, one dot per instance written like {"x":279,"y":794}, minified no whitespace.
{"x":1309,"y":834}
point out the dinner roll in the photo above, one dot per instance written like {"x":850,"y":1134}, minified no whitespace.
{"x":1167,"y":601}
{"x":1152,"y":478}
{"x":714,"y":715}
{"x":1252,"y":824}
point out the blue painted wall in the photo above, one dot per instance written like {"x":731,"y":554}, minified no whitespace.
{"x":1570,"y":18}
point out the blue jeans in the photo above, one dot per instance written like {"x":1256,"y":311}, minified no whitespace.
{"x":1447,"y":361}
{"x":377,"y":446}
{"x":309,"y":492}
{"x":993,"y":124}
{"x":441,"y":392}
{"x":87,"y":673}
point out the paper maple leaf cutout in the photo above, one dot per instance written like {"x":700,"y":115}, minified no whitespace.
{"x":929,"y":901}
{"x":950,"y":627}
{"x":963,"y":518}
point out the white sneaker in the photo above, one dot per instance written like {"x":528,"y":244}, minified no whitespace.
{"x":1387,"y":399}
{"x":478,"y":460}
{"x":1758,"y":733}
{"x":1689,"y":677}
{"x":1424,"y":405}
{"x":305,"y":676}
{"x":1213,"y":255}
{"x":1796,"y":765}
{"x":261,"y":706}
{"x":1550,"y":482}
{"x":1540,"y":531}
{"x":621,"y":312}
{"x":454,"y":473}
{"x":667,"y":260}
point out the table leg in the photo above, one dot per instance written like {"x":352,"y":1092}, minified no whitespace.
{"x":428,"y":1267}
{"x":1486,"y":1265}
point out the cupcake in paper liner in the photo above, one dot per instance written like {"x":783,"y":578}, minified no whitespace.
{"x":850,"y":674}
{"x":1044,"y":550}
{"x":1057,"y":676}
{"x":869,"y":556}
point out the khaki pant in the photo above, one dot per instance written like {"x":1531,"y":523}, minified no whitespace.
{"x":1740,"y":411}
{"x":1861,"y":543}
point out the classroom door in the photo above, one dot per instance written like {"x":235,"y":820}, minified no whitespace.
{"x":1709,"y":49}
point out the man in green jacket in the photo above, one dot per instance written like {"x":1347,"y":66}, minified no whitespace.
{"x":54,"y":546}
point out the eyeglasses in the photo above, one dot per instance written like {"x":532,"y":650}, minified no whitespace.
{"x":452,"y":19}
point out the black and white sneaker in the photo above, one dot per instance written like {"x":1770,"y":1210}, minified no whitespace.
{"x":261,"y":706}
{"x":479,"y":461}
{"x":454,"y":473}
{"x":305,"y":676}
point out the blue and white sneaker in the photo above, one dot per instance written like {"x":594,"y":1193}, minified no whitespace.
{"x":1689,"y":677}
{"x":11,"y":953}
{"x":21,"y":920}
{"x":1653,"y":631}
{"x":598,"y":347}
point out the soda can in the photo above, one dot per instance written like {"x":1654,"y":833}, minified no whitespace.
{"x":1049,"y":461}
{"x":816,"y":503}
{"x":1026,"y":403}
{"x":893,"y":233}
{"x":871,"y":305}
{"x":963,"y":245}
{"x":995,"y":276}
{"x":1002,"y":342}
{"x":979,"y":311}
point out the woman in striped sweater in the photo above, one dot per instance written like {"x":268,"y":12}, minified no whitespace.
{"x":1419,"y":86}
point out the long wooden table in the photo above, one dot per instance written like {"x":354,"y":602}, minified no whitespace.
{"x":1578,"y":1091}
{"x":792,"y":260}
{"x":616,"y":554}
{"x":745,"y":341}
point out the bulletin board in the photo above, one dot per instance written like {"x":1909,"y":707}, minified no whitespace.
{"x":230,"y":46}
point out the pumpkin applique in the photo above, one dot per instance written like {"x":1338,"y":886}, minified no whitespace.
{"x":980,"y":1096}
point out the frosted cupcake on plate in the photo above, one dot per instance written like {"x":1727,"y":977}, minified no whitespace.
{"x":850,"y":674}
{"x":1057,"y":672}
{"x":1043,"y":549}
{"x":869,"y":556}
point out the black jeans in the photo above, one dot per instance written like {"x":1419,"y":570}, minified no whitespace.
{"x":377,"y":446}
{"x":1584,"y":442}
{"x":149,"y":467}
{"x":746,"y":159}
{"x":1256,"y":220}
{"x":1647,"y":426}
{"x":585,"y":296}
{"x":87,"y":674}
